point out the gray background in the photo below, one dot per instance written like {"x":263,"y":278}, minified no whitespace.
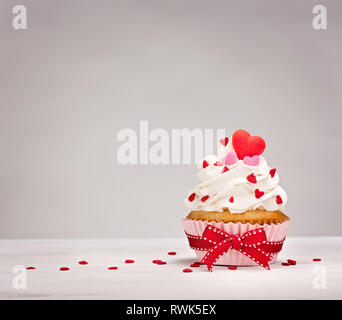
{"x":85,"y":69}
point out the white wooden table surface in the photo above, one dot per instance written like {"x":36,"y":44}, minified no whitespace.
{"x":145,"y":280}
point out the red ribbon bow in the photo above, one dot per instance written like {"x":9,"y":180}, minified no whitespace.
{"x":253,"y":244}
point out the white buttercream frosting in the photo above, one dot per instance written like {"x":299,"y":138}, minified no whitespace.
{"x":232,"y":190}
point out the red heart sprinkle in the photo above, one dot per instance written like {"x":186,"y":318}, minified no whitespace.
{"x":246,"y":145}
{"x":252,"y":178}
{"x":64,"y":269}
{"x":156,"y":261}
{"x":192,"y":197}
{"x":112,"y":268}
{"x":279,"y":200}
{"x":258,"y":193}
{"x":172,"y":253}
{"x":316,"y":259}
{"x":224,"y":141}
{"x":187,"y":270}
{"x":286,"y":264}
{"x":225,"y":169}
{"x":195,"y":265}
{"x":218,"y":163}
{"x":272,"y":172}
{"x":129,"y":261}
{"x":232,"y":267}
{"x":205,"y":198}
{"x":30,"y":268}
{"x":231,"y":199}
{"x":205,"y":164}
{"x":82,"y":262}
{"x":293,"y":262}
{"x":162,"y":262}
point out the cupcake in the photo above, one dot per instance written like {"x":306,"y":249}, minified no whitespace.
{"x":236,"y":211}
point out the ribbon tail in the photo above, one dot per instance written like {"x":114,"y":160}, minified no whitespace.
{"x":215,"y":253}
{"x":259,"y":256}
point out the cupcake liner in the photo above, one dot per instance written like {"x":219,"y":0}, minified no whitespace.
{"x":274,"y":232}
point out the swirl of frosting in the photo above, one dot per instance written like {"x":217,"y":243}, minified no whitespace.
{"x":240,"y":188}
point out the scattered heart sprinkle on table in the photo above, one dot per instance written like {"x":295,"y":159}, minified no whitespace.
{"x":286,"y":264}
{"x":82,"y":262}
{"x":292,"y":262}
{"x":64,"y":269}
{"x":232,"y":267}
{"x":172,"y":253}
{"x":30,"y":268}
{"x":316,"y":259}
{"x":187,"y":270}
{"x":112,"y":268}
{"x":195,"y":265}
{"x":129,"y":261}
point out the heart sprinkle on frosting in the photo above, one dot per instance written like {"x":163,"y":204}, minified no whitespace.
{"x":230,"y":158}
{"x":258,"y":193}
{"x":225,"y":169}
{"x":205,"y":164}
{"x":251,"y":161}
{"x":192,"y":197}
{"x":251,"y":178}
{"x":224,"y":141}
{"x":272,"y":172}
{"x":246,"y":145}
{"x":231,"y":199}
{"x":205,"y":198}
{"x":279,"y":200}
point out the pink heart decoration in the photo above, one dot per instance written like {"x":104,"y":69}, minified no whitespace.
{"x":251,"y":161}
{"x":230,"y":158}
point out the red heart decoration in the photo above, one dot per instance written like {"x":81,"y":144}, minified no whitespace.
{"x":258,"y":193}
{"x":246,"y":145}
{"x":252,"y":178}
{"x":224,"y":141}
{"x":279,"y":200}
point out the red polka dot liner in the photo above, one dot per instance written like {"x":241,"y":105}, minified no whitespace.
{"x":129,"y":261}
{"x":187,"y":270}
{"x":64,"y":268}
